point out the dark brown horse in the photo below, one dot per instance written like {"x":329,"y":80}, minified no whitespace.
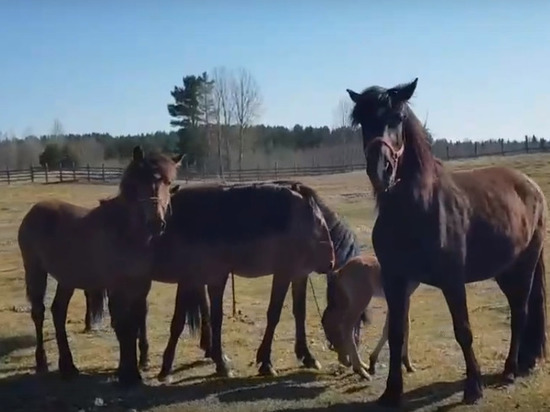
{"x":252,"y":230}
{"x":108,"y":247}
{"x":345,"y":243}
{"x":447,"y":229}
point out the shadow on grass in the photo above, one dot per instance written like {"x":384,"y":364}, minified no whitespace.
{"x":12,"y":343}
{"x":414,"y":400}
{"x":31,"y":392}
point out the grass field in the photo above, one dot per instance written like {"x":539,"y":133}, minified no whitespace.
{"x":436,"y":385}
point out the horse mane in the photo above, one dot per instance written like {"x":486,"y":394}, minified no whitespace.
{"x":419,"y":167}
{"x":344,"y":240}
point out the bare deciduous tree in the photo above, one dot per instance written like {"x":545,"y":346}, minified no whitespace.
{"x":57,"y":132}
{"x":342,"y":115}
{"x":247,"y":102}
{"x":223,"y":109}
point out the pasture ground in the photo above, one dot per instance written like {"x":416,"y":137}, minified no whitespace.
{"x":436,"y":385}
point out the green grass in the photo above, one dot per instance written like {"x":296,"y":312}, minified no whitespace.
{"x":437,"y":383}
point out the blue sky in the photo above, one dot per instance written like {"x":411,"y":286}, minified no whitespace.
{"x":109,"y":66}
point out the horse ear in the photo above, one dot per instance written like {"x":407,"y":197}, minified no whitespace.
{"x":353,"y":95}
{"x":403,"y":92}
{"x":174,"y":189}
{"x":138,"y":154}
{"x":178,"y":159}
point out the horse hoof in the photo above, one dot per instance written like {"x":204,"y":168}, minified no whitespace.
{"x":68,"y":372}
{"x":266,"y":369}
{"x":225,"y":373}
{"x":144,"y":364}
{"x":526,"y":368}
{"x":312,"y":363}
{"x":472,"y":393}
{"x":508,"y":377}
{"x":363,"y":373}
{"x":388,"y":400}
{"x":130,"y":380}
{"x":41,"y":369}
{"x":164,"y":377}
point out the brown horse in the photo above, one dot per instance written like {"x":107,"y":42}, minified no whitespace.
{"x":252,"y":230}
{"x":356,"y":283}
{"x":108,"y":247}
{"x":447,"y":229}
{"x":346,"y":246}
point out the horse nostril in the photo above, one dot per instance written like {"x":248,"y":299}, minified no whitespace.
{"x":162,"y":225}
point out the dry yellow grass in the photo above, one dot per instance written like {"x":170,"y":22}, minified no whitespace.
{"x":437,"y":384}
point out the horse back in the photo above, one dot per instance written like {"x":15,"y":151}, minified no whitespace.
{"x":46,"y":218}
{"x":359,"y":279}
{"x":249,"y":229}
{"x":504,"y":208}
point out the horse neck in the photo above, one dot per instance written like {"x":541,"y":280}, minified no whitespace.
{"x":419,"y":168}
{"x":115,"y":216}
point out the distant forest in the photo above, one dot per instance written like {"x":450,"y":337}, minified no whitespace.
{"x":216,"y":121}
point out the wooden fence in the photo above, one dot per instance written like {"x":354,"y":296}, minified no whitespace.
{"x":106,"y":174}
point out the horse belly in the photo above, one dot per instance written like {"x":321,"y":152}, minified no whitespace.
{"x":252,"y":260}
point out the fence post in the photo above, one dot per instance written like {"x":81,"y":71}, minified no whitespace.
{"x":46,"y":172}
{"x":276,"y":170}
{"x":60,"y":172}
{"x":103,"y":171}
{"x":526,"y":144}
{"x":8,"y":174}
{"x":74,"y":172}
{"x":502,"y":147}
{"x":88,"y":171}
{"x":258,"y":171}
{"x":448,"y":157}
{"x":32,"y":174}
{"x":475,"y":149}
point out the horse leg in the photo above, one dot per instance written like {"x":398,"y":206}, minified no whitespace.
{"x":299,"y":289}
{"x":351,"y":349}
{"x":516,"y":286}
{"x":279,"y":289}
{"x":373,"y":358}
{"x":59,"y":307}
{"x":455,"y":295}
{"x":142,"y":336}
{"x":216,"y":301}
{"x":395,"y":290}
{"x":36,"y":282}
{"x":176,"y":329}
{"x":405,"y":354}
{"x":127,"y":313}
{"x":206,"y":326}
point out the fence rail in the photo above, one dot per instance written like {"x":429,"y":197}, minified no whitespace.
{"x":38,"y":174}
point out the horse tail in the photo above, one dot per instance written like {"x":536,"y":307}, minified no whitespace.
{"x":533,"y":342}
{"x":95,"y":307}
{"x":191,"y":300}
{"x":36,"y":276}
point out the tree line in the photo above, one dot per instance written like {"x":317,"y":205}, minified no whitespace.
{"x":215,"y":119}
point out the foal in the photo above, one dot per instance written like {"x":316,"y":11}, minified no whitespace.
{"x":355,"y":284}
